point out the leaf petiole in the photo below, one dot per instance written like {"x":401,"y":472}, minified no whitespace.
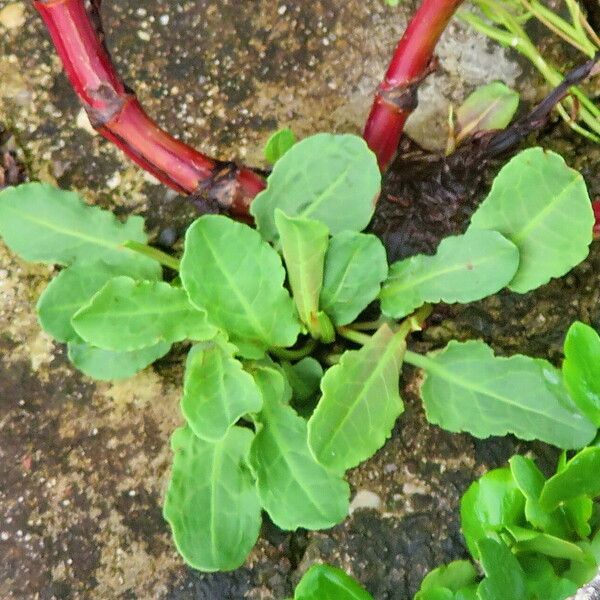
{"x":162,"y":257}
{"x":294,"y":355}
{"x":353,"y":335}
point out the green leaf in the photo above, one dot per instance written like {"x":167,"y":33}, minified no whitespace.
{"x":355,"y":266}
{"x":229,"y":271}
{"x":488,"y":506}
{"x":73,"y":287}
{"x":211,"y":503}
{"x":519,"y":395}
{"x":323,"y":582}
{"x":578,"y":513}
{"x":360,"y":402}
{"x":528,"y":540}
{"x":488,"y":108}
{"x":278,"y":144}
{"x":543,"y":207}
{"x":438,"y":593}
{"x":331,"y":178}
{"x":106,"y":365}
{"x":580,"y":476}
{"x":217,"y":391}
{"x":293,"y":487}
{"x":504,"y":576}
{"x":304,"y":243}
{"x":128,"y":315}
{"x":451,"y":577}
{"x":542,"y":582}
{"x":43,"y":224}
{"x":581,"y":369}
{"x":304,"y":377}
{"x":465,"y":268}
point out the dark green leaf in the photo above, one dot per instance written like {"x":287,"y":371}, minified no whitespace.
{"x":542,"y":581}
{"x":304,"y":377}
{"x":322,"y":582}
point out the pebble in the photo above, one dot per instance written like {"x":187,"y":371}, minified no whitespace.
{"x":365,"y":499}
{"x":12,"y":16}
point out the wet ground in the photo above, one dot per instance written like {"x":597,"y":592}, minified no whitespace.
{"x":83,"y":465}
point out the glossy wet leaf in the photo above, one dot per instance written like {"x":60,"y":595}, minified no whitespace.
{"x":581,"y":476}
{"x":465,"y":268}
{"x":293,"y":487}
{"x":323,"y":582}
{"x":41,"y":223}
{"x":504,"y":577}
{"x":446,"y":580}
{"x":211,"y":503}
{"x":543,"y":207}
{"x":304,"y":243}
{"x":106,"y":365}
{"x":360,"y":402}
{"x":529,"y":540}
{"x":355,"y":266}
{"x":304,"y":377}
{"x":467,"y":388}
{"x":128,"y":315}
{"x":490,"y":504}
{"x":331,"y":178}
{"x":74,"y":286}
{"x":228,"y":270}
{"x":217,"y":391}
{"x":278,"y":144}
{"x":488,"y":108}
{"x":581,"y":369}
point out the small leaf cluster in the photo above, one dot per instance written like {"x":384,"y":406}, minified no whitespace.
{"x":276,"y":406}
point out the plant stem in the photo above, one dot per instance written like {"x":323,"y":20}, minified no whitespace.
{"x":117,"y":115}
{"x":396,"y":97}
{"x":294,"y":355}
{"x":158,"y":255}
{"x":416,"y":359}
{"x":353,"y":335}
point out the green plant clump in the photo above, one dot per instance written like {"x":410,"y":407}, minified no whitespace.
{"x":284,"y":388}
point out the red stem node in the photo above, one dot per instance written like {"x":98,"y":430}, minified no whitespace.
{"x":411,"y":63}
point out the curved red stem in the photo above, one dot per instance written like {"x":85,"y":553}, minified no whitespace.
{"x":412,"y":60}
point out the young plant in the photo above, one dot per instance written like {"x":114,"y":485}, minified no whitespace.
{"x":276,"y":408}
{"x":323,"y":582}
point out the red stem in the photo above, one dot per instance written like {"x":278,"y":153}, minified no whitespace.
{"x":412,"y":60}
{"x":117,"y":115}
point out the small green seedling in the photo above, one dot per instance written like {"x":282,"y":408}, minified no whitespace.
{"x":284,"y":388}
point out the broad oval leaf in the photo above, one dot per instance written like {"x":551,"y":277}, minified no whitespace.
{"x":211,"y":503}
{"x":323,"y":582}
{"x":331,"y":178}
{"x":293,"y":487}
{"x":278,"y":144}
{"x":229,"y":271}
{"x":467,"y":388}
{"x":488,"y":506}
{"x":304,"y":243}
{"x":581,"y":476}
{"x":465,"y":268}
{"x":504,"y":577}
{"x":543,"y":207}
{"x":217,"y":391}
{"x":41,"y":223}
{"x":581,"y":369}
{"x":128,"y":315}
{"x":360,"y":403}
{"x":106,"y":365}
{"x":355,"y":266}
{"x":74,"y":286}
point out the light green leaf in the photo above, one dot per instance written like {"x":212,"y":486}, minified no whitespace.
{"x":467,"y":388}
{"x":304,"y":377}
{"x":106,"y":365}
{"x":43,"y":224}
{"x":488,"y":108}
{"x":581,"y":369}
{"x":542,"y":581}
{"x":217,"y":391}
{"x":293,"y":487}
{"x":74,"y":286}
{"x":360,"y":402}
{"x":278,"y":144}
{"x":489,"y":505}
{"x":543,"y":207}
{"x":211,"y":503}
{"x":528,"y":540}
{"x":331,"y":178}
{"x":465,"y":268}
{"x":229,"y":271}
{"x":127,"y":315}
{"x":504,"y":576}
{"x":323,"y":582}
{"x":355,"y":266}
{"x":451,"y":577}
{"x":304,"y":243}
{"x":581,"y":476}
{"x":578,"y":513}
